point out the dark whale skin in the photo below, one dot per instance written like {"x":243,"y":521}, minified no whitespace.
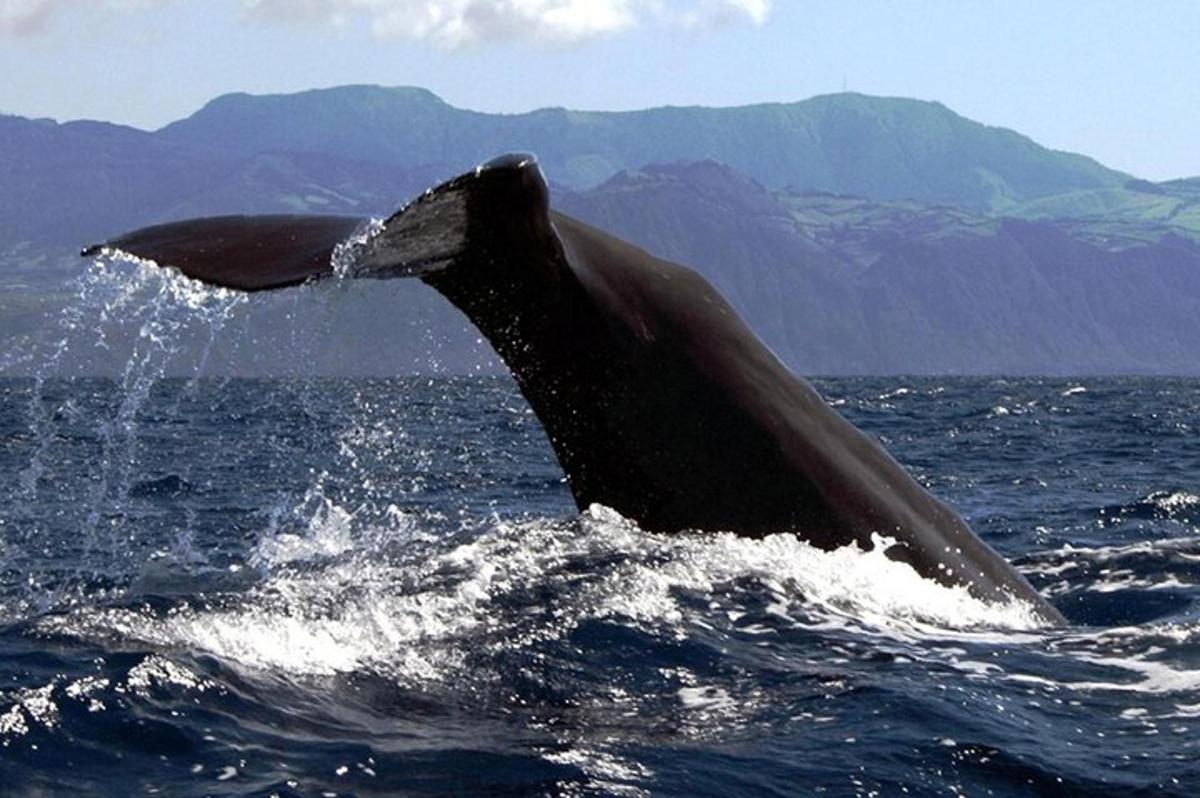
{"x":657,"y":398}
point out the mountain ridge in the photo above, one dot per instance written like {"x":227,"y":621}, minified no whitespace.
{"x":883,"y":147}
{"x":845,"y":274}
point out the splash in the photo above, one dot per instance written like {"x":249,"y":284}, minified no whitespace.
{"x":153,"y":316}
{"x":394,"y":600}
{"x":345,"y":254}
{"x":162,"y":304}
{"x":42,"y":708}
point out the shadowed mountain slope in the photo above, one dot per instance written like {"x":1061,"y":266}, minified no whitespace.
{"x":845,"y":285}
{"x":856,"y":234}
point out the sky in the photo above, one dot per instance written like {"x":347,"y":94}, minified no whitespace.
{"x":1116,"y":80}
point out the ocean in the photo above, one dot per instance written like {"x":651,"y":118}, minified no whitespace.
{"x":306,"y":586}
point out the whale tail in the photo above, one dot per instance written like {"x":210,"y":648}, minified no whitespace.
{"x":258,"y":253}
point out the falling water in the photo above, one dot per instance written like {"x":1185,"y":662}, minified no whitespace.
{"x":164,"y":323}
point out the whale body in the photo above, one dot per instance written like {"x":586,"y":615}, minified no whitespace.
{"x":658,"y":400}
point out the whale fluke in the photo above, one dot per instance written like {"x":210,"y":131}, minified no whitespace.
{"x":657,"y":398}
{"x":259,"y":253}
{"x":250,"y":253}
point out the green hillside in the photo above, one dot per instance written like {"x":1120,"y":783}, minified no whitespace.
{"x":1172,"y":206}
{"x":883,"y":148}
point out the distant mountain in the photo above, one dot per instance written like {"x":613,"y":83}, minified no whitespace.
{"x":363,"y":149}
{"x":65,"y":184}
{"x":878,"y":147}
{"x":78,"y":178}
{"x":856,"y":234}
{"x":840,"y":285}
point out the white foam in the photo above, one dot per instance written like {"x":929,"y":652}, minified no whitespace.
{"x":336,"y":620}
{"x":866,"y":585}
{"x":1130,"y":659}
{"x":608,"y":774}
{"x":1171,"y":502}
{"x":157,"y":670}
{"x":1056,"y":561}
{"x":418,"y":616}
{"x":414,"y":618}
{"x":706,"y":699}
{"x":1147,"y":676}
{"x":30,"y":706}
{"x":327,"y":533}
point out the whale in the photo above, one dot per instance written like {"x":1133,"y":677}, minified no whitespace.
{"x":657,"y":398}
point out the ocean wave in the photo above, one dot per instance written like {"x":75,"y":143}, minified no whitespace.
{"x":1172,"y":505}
{"x":386,"y":599}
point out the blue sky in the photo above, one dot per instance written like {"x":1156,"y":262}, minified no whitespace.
{"x":1116,"y":80}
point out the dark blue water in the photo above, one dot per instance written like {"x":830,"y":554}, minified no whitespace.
{"x":381,"y":587}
